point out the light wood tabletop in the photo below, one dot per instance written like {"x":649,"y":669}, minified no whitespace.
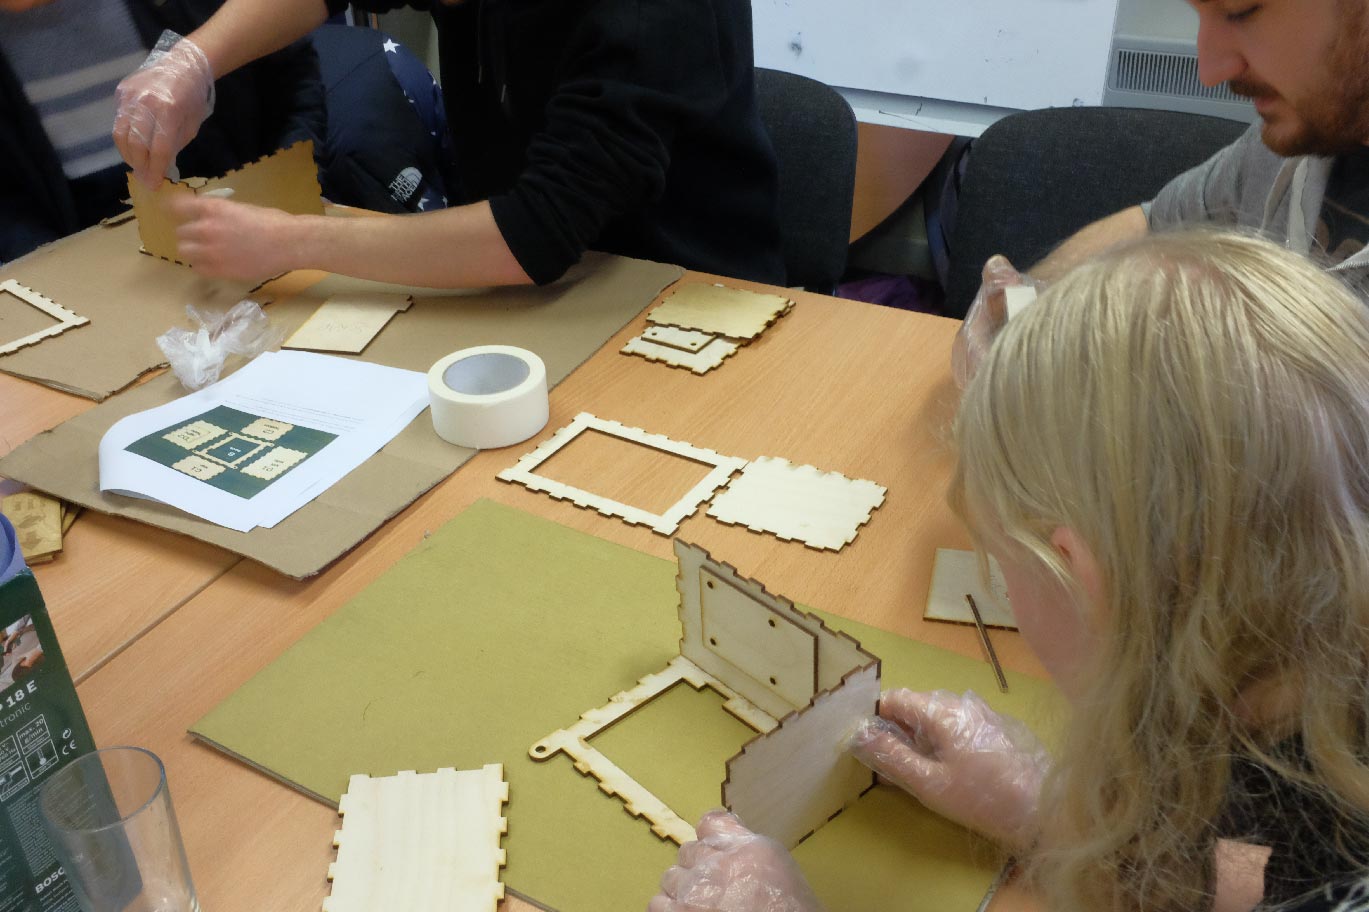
{"x":160,"y":628}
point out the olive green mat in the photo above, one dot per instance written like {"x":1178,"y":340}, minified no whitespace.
{"x":503,"y":627}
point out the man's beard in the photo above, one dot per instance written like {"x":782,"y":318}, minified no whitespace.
{"x":1336,"y":120}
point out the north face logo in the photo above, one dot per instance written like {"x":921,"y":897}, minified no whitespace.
{"x":404,"y":184}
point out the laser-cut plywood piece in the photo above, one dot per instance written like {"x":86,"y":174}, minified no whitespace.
{"x":524,"y":472}
{"x":421,"y":843}
{"x":64,"y":318}
{"x":789,"y":782}
{"x":770,"y":661}
{"x":824,"y":510}
{"x":347,"y":323}
{"x":640,"y":802}
{"x":956,"y":574}
{"x":718,"y":309}
{"x":690,"y":340}
{"x":286,"y":180}
{"x":712,"y":355}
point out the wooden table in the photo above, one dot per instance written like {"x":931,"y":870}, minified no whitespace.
{"x":158,"y":628}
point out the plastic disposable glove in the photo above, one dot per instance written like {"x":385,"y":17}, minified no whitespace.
{"x":161,"y":106}
{"x":731,"y":869}
{"x":959,"y":758}
{"x":987,"y":315}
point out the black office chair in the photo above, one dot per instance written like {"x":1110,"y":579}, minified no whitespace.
{"x":1035,"y":178}
{"x":814,"y":134}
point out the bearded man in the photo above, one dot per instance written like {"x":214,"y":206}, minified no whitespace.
{"x":1301,"y":172}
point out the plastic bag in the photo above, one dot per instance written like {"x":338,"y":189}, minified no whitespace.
{"x":197,"y":355}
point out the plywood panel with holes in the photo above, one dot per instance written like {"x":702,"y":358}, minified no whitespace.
{"x":705,"y":359}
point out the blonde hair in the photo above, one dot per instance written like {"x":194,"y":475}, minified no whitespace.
{"x":1195,"y":406}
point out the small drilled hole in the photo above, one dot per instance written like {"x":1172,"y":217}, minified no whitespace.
{"x":540,"y":749}
{"x":772,"y":622}
{"x":709,"y":583}
{"x":773,"y":681}
{"x":713,"y":641}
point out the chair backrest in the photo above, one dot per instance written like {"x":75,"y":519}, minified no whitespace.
{"x":1035,"y":178}
{"x":814,"y":134}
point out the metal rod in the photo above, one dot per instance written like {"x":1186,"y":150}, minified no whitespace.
{"x":988,"y":646}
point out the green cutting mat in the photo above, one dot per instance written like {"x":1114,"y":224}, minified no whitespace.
{"x":502,"y":628}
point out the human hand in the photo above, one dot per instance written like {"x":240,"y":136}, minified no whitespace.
{"x":959,"y":758}
{"x":731,"y":869}
{"x":228,"y":240}
{"x":987,"y":315}
{"x":161,"y":106}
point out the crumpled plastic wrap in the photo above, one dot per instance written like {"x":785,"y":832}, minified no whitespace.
{"x":197,"y":355}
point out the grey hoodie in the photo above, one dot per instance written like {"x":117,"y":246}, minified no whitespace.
{"x":1249,"y":186}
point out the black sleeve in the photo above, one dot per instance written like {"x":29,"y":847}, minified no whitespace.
{"x":299,"y":98}
{"x":644,"y":73}
{"x":377,"y":6}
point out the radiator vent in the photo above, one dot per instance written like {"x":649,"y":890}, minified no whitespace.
{"x":1158,"y":73}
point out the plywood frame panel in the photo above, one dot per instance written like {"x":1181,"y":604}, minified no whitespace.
{"x":421,"y":843}
{"x":524,"y":472}
{"x":64,"y":318}
{"x":772,"y":638}
{"x":590,"y":761}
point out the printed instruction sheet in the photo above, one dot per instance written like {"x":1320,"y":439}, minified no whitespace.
{"x":251,"y":449}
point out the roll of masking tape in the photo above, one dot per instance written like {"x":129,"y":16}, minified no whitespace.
{"x":488,"y":396}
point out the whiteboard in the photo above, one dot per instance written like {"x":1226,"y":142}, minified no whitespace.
{"x":1005,"y":53}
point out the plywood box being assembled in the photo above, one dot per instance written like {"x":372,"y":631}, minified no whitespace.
{"x":799,"y":684}
{"x":286,"y":180}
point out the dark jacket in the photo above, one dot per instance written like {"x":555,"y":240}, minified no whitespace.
{"x":259,"y":108}
{"x":621,"y":125}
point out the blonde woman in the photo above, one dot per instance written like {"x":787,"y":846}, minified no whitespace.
{"x":1168,"y":454}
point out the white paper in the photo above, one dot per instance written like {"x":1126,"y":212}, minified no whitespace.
{"x":275,"y":454}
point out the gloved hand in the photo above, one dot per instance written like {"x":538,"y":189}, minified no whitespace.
{"x":731,"y":869}
{"x":161,"y":106}
{"x":959,"y":758}
{"x":987,"y":315}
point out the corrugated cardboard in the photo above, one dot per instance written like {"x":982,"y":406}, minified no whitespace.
{"x":129,"y":298}
{"x":564,"y":323}
{"x":493,"y":650}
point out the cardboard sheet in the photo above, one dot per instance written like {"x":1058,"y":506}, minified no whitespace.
{"x":129,"y":298}
{"x":511,"y":625}
{"x":564,"y":323}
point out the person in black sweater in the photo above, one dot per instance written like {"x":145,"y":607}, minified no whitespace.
{"x":50,"y":189}
{"x":628,"y":126}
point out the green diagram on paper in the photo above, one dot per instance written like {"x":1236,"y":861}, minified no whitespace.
{"x":232,"y":450}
